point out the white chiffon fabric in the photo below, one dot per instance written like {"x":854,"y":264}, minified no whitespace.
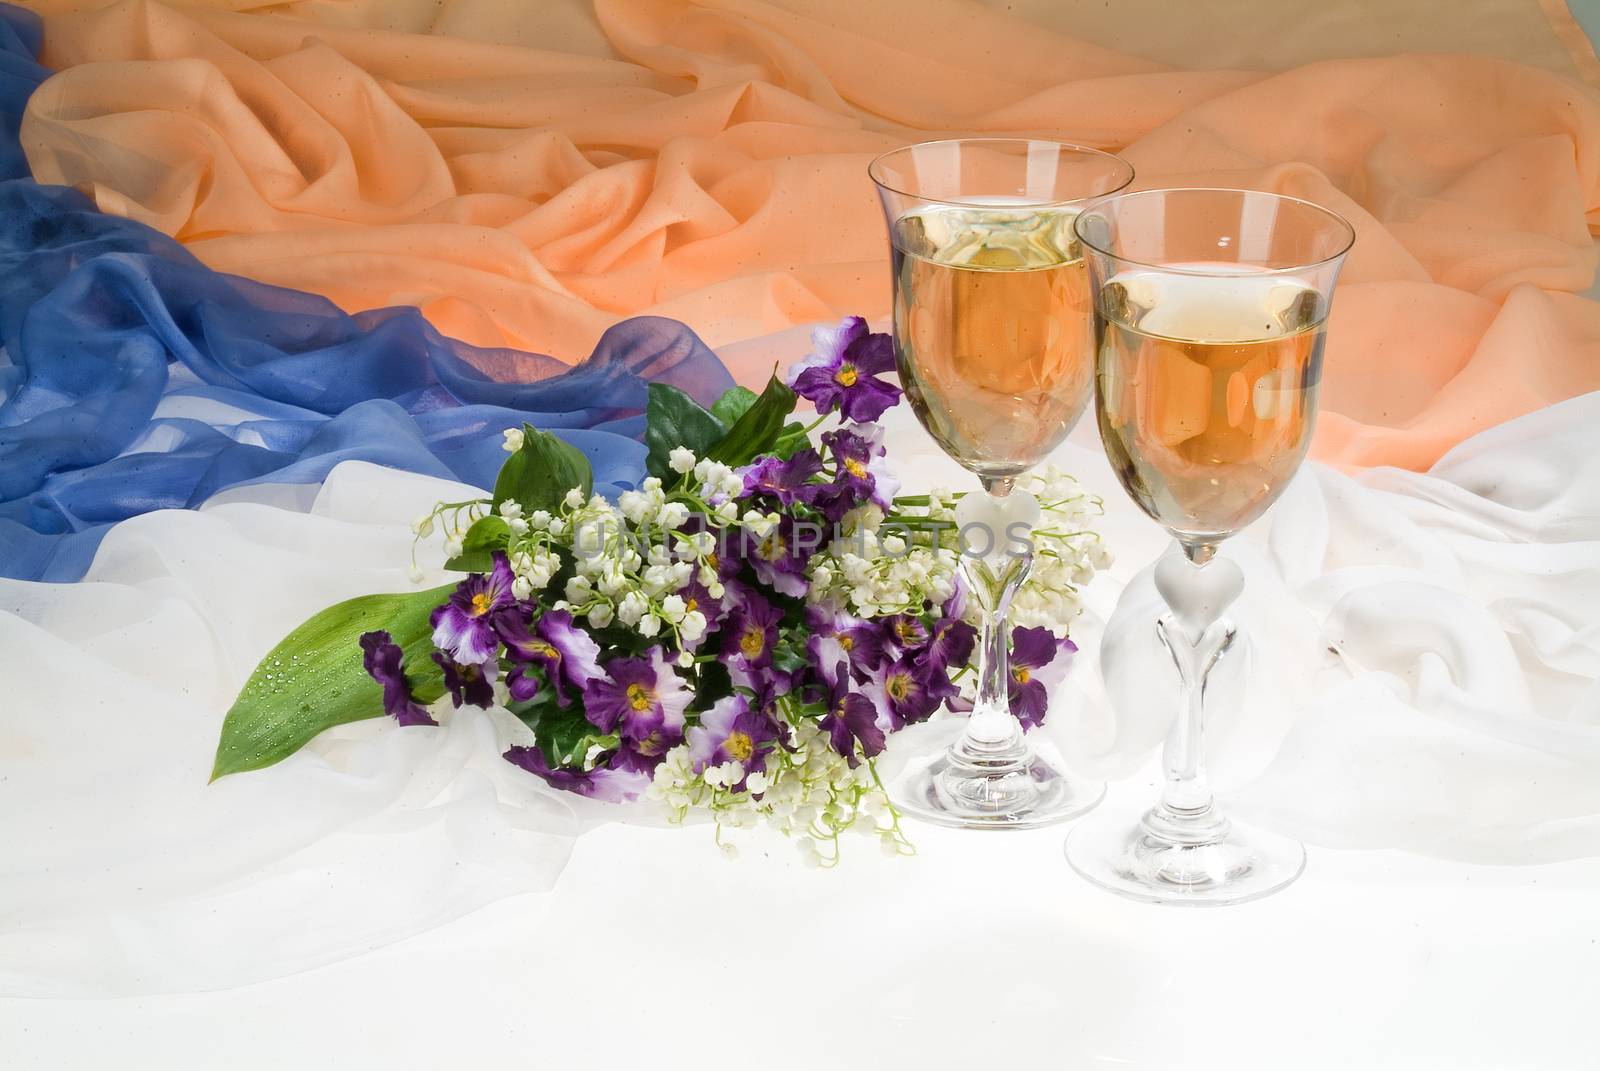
{"x":1417,"y":670}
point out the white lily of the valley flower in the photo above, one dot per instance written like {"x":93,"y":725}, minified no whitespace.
{"x":692,"y":627}
{"x":673,"y":608}
{"x":635,"y":505}
{"x":423,"y":526}
{"x":513,"y":440}
{"x":681,"y":459}
{"x":632,"y":607}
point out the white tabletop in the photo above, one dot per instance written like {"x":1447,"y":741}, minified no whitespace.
{"x":655,"y":952}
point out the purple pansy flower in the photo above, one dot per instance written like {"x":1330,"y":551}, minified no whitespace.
{"x":839,"y":637}
{"x":611,"y":784}
{"x":646,"y":754}
{"x":750,"y":633}
{"x":951,"y":640}
{"x":384,"y":661}
{"x":905,"y":633}
{"x":566,"y":653}
{"x":1039,"y":662}
{"x":765,"y":683}
{"x":840,"y":372}
{"x":861,"y":474}
{"x":464,"y":626}
{"x":780,"y":557}
{"x":783,"y":479}
{"x":852,"y":718}
{"x":731,"y":731}
{"x":470,"y":686}
{"x":638,"y":697}
{"x":900,"y":691}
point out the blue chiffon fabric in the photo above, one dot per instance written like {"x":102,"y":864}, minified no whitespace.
{"x":134,"y":378}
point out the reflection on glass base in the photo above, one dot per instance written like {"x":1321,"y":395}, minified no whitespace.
{"x":1146,"y":861}
{"x":976,"y":788}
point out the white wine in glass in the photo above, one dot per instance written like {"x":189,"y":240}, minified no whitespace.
{"x":996,"y":335}
{"x":993,"y":333}
{"x":1210,"y":311}
{"x":1208,"y":393}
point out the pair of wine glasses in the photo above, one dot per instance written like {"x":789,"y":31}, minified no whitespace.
{"x":1024,"y":281}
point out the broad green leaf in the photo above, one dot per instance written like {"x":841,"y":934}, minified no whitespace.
{"x":314,"y":679}
{"x":733,"y":404}
{"x":674,"y":419}
{"x":542,"y":472}
{"x":487,"y":535}
{"x":757,"y":431}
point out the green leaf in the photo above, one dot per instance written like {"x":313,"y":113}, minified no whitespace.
{"x":791,"y":440}
{"x":487,"y":535}
{"x":565,"y":735}
{"x":314,"y":679}
{"x":733,"y":404}
{"x":673,"y":419}
{"x":757,"y":431}
{"x":542,"y":472}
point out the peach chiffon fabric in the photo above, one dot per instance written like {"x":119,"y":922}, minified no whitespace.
{"x":706,"y":159}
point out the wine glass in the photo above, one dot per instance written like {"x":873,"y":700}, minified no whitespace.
{"x":994,"y":339}
{"x":1211,"y":307}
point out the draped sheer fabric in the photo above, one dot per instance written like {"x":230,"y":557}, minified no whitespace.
{"x":1458,"y":719}
{"x":527,"y":176}
{"x":135,"y":378}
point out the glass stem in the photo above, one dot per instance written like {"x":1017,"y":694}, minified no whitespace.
{"x":1198,"y":589}
{"x":1187,"y":790}
{"x":991,"y":726}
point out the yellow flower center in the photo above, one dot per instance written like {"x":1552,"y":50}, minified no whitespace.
{"x":711,"y":560}
{"x":652,"y":745}
{"x":846,"y":376}
{"x":855,"y":468}
{"x":480,"y":604}
{"x":544,"y":650}
{"x":638,"y":697}
{"x":905,"y":630}
{"x":898,"y":686}
{"x":847,"y":642}
{"x":691,"y":604}
{"x":753,"y":642}
{"x":773,"y":547}
{"x":739,"y":745}
{"x":1022,"y":674}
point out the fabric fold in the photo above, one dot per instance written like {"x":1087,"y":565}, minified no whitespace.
{"x":135,"y":378}
{"x":705,"y":160}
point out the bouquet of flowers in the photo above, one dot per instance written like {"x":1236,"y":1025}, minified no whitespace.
{"x":738,"y":635}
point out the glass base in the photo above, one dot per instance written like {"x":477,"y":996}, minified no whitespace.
{"x":971,"y":786}
{"x":1166,"y":858}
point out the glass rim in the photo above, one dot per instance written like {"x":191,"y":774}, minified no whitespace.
{"x":1174,"y":269}
{"x":873,"y":172}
